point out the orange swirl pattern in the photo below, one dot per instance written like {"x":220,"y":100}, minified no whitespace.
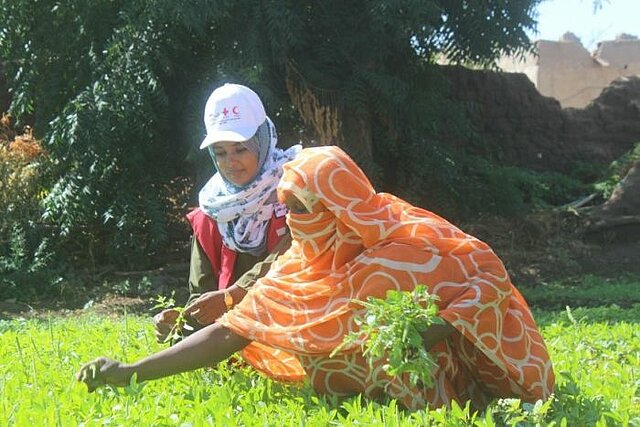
{"x":357,"y":243}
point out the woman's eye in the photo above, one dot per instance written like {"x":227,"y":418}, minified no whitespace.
{"x":219,"y":153}
{"x":241,"y":150}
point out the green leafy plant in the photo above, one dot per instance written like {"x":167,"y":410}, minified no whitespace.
{"x":393,"y":329}
{"x":23,"y":268}
{"x":180,"y":324}
{"x":596,"y":361}
{"x":616,"y":172}
{"x":25,"y":242}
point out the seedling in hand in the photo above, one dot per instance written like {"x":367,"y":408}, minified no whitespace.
{"x":180,"y":324}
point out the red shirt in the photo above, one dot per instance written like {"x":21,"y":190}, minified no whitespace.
{"x":223,"y":259}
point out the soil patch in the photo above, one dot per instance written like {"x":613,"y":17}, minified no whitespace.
{"x":555,"y":246}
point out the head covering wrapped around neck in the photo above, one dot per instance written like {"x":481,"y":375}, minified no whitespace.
{"x":355,"y":244}
{"x":242,"y":213}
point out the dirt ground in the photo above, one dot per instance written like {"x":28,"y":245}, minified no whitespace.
{"x":536,"y":250}
{"x":553,"y":246}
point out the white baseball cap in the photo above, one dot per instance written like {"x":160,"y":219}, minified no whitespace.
{"x":233,"y":113}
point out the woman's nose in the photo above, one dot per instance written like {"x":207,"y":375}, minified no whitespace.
{"x":232,"y":157}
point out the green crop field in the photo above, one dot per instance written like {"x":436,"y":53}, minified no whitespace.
{"x":596,"y":353}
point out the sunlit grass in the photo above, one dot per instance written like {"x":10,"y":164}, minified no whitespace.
{"x":596,"y":354}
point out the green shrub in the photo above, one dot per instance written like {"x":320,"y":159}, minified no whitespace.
{"x":21,"y":188}
{"x":460,"y":186}
{"x":616,"y":172}
{"x":24,"y":239}
{"x":23,"y":266}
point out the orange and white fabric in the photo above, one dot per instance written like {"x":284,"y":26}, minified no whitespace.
{"x":357,"y":243}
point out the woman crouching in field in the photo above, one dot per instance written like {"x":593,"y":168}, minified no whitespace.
{"x":350,"y":243}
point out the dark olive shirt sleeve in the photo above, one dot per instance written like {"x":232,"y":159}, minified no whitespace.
{"x":247,"y":280}
{"x":201,"y":277}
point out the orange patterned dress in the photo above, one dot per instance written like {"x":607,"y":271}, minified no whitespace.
{"x":357,"y":243}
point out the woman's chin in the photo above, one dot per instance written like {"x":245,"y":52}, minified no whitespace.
{"x":237,"y":180}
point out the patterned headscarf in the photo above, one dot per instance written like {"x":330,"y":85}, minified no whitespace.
{"x":242,"y":213}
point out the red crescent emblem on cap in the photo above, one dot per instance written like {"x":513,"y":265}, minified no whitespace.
{"x":235,"y":110}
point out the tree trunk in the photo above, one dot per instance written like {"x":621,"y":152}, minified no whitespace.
{"x":348,"y":128}
{"x":619,"y":217}
{"x":357,"y":139}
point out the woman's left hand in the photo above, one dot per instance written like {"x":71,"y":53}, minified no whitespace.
{"x":102,"y":371}
{"x":207,"y":308}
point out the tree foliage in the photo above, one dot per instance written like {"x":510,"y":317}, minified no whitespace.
{"x":116,"y":88}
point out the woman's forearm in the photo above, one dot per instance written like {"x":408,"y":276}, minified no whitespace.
{"x":206,"y":347}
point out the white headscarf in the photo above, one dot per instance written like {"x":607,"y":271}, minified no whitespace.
{"x":243,"y":213}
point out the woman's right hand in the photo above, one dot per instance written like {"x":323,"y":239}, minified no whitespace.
{"x":165,"y":323}
{"x":102,"y":371}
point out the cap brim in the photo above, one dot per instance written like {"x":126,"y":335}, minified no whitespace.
{"x":227,"y":135}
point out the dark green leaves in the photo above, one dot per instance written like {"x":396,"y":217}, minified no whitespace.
{"x":117,"y":89}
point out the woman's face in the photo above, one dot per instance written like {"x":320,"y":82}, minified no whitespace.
{"x":236,"y":163}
